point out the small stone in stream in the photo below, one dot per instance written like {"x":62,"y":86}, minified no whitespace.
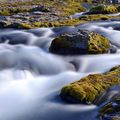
{"x":3,"y":24}
{"x":41,"y":8}
{"x":117,"y":28}
{"x":82,"y":42}
{"x":113,"y":49}
{"x":89,"y":88}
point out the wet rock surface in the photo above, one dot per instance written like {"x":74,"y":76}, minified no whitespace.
{"x":111,"y":110}
{"x":110,"y":104}
{"x":89,"y":88}
{"x":82,"y":42}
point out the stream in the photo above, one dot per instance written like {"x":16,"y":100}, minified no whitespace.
{"x":31,"y":78}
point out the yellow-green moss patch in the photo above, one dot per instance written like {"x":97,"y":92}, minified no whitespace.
{"x":98,"y":44}
{"x":89,"y":88}
{"x":82,"y":42}
{"x":104,"y":9}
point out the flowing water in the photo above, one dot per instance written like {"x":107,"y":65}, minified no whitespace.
{"x":31,"y":78}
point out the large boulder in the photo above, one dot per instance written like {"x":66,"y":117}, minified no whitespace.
{"x":89,"y":88}
{"x":82,"y":42}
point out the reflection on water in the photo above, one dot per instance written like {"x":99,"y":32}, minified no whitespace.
{"x":31,"y":78}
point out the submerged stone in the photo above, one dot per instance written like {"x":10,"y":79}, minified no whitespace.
{"x":89,"y":88}
{"x":82,"y":42}
{"x":111,"y":110}
{"x":111,"y":107}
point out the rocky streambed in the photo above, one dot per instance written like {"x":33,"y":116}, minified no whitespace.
{"x":60,"y":72}
{"x":90,"y":89}
{"x":35,"y":17}
{"x":67,"y":14}
{"x":40,"y":80}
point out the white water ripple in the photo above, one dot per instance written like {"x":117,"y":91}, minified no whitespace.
{"x":31,"y":78}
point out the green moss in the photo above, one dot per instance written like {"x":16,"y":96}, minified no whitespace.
{"x":64,"y":7}
{"x":19,"y":26}
{"x":89,"y":88}
{"x":69,"y":44}
{"x":4,"y":12}
{"x":25,"y":26}
{"x":118,"y":8}
{"x":104,"y":9}
{"x":98,"y":44}
{"x":71,"y":8}
{"x":94,"y":17}
{"x":11,"y":11}
{"x":69,"y":22}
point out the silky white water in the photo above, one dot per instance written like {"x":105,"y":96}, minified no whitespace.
{"x":31,"y":78}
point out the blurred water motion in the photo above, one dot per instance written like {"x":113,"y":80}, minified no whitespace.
{"x":31,"y":77}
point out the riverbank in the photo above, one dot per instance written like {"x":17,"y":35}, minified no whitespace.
{"x":28,"y":15}
{"x":33,"y":14}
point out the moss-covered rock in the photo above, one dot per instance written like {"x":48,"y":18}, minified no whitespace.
{"x":19,"y":25}
{"x":65,"y":8}
{"x":82,"y":42}
{"x":103,"y":9}
{"x":89,"y":88}
{"x":41,"y":8}
{"x":58,"y":23}
{"x":94,"y":17}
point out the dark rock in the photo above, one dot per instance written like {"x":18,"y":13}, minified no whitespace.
{"x":82,"y":42}
{"x":14,"y":25}
{"x":111,"y":110}
{"x":3,"y":24}
{"x":17,"y":25}
{"x":110,"y":107}
{"x":113,"y":49}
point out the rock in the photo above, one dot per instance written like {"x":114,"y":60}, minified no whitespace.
{"x":3,"y":24}
{"x":111,"y":110}
{"x":82,"y":42}
{"x":113,"y":49}
{"x":89,"y":88}
{"x":21,"y":17}
{"x":41,"y":8}
{"x":103,"y":9}
{"x":14,"y":25}
{"x":19,"y":25}
{"x":2,"y":18}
